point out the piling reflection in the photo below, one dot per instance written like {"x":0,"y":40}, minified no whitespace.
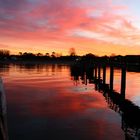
{"x":129,"y":112}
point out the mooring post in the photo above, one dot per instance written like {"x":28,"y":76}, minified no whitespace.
{"x":111,"y":77}
{"x":85,"y":78}
{"x":95,"y":72}
{"x":123,"y":80}
{"x":3,"y":113}
{"x":99,"y":72}
{"x":104,"y":74}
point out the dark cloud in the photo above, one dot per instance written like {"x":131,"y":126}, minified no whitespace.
{"x":12,"y":4}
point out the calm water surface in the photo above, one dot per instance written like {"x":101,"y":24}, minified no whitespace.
{"x":46,"y":103}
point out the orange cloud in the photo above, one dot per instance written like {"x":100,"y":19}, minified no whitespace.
{"x":46,"y":22}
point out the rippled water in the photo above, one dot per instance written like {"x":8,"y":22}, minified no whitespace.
{"x":45,"y":103}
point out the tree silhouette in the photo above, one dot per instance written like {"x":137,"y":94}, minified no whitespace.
{"x":72,"y":52}
{"x":20,"y":53}
{"x":47,"y":54}
{"x":53,"y":55}
{"x":39,"y":54}
{"x":4,"y":54}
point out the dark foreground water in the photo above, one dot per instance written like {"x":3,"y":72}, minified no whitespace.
{"x":46,"y":103}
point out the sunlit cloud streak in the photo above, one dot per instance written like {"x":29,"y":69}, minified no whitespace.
{"x":38,"y":22}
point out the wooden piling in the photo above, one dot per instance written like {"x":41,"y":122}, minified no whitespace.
{"x":95,"y":72}
{"x":111,"y":77}
{"x":104,"y":74}
{"x":123,"y":80}
{"x":99,"y":72}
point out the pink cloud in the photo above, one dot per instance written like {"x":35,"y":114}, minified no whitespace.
{"x":55,"y":20}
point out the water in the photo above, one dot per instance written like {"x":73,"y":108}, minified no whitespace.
{"x":45,"y":103}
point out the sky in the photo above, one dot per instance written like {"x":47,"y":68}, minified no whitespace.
{"x":101,"y":27}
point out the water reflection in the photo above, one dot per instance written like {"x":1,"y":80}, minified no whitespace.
{"x":129,"y":112}
{"x":55,"y":102}
{"x":4,"y":69}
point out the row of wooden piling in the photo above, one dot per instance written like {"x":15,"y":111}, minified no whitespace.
{"x":97,"y":75}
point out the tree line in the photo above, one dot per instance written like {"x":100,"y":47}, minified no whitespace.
{"x":5,"y":55}
{"x":72,"y":56}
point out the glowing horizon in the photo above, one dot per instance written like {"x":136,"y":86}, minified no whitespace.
{"x":101,"y":27}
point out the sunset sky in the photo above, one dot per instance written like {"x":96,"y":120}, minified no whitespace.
{"x":101,"y":27}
